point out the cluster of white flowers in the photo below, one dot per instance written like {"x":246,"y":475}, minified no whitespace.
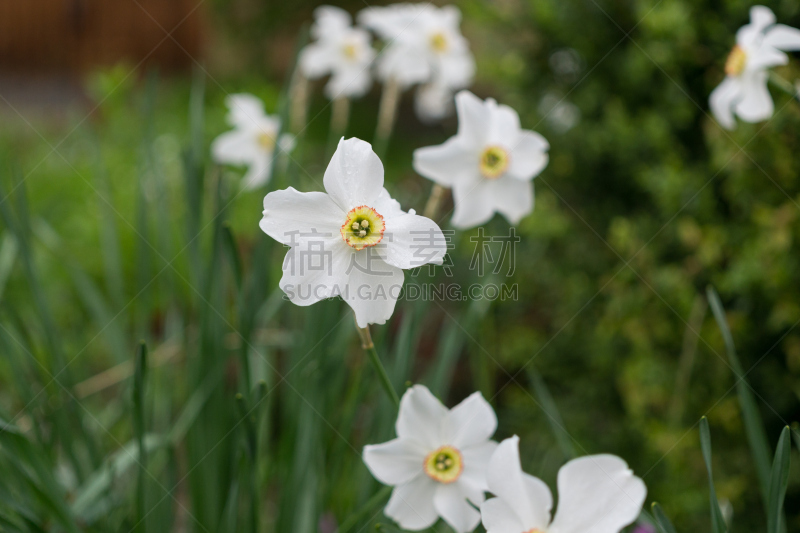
{"x":443,"y":461}
{"x":760,"y":45}
{"x":422,"y":45}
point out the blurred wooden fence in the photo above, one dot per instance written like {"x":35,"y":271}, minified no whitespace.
{"x":75,"y":35}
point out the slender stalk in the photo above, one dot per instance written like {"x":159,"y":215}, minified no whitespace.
{"x":299,"y":103}
{"x":390,"y":99}
{"x":792,"y":89}
{"x":340,"y":116}
{"x":369,"y":347}
{"x":434,"y":202}
{"x":140,"y":368}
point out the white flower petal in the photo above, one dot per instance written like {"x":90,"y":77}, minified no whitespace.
{"x":401,"y":62}
{"x":476,"y":465}
{"x":311,"y":275}
{"x":330,"y":20}
{"x":765,"y":57}
{"x":411,"y":504}
{"x":292,"y":217}
{"x":597,"y":493}
{"x":395,"y":462}
{"x":503,"y":125}
{"x":512,"y":198}
{"x":722,"y":100}
{"x":756,"y":103}
{"x":349,"y":82}
{"x":286,"y":142}
{"x":244,"y":110}
{"x":421,"y":416}
{"x":433,"y":102}
{"x":452,"y":505}
{"x":498,"y":517}
{"x":259,"y":172}
{"x":470,"y":423}
{"x":782,"y":37}
{"x":750,"y":34}
{"x":235,"y":147}
{"x":474,"y":202}
{"x":528,"y":496}
{"x":373,"y":287}
{"x":412,"y":241}
{"x":316,"y":60}
{"x":386,"y":206}
{"x":473,"y":117}
{"x":456,"y":70}
{"x":528,"y":156}
{"x":354,"y":176}
{"x":446,"y":163}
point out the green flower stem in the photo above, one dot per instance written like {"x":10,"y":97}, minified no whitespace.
{"x":369,"y":347}
{"x":390,"y":99}
{"x":434,"y":201}
{"x":785,"y":85}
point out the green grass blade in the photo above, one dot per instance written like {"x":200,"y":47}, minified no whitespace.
{"x":366,"y":510}
{"x":754,"y":427}
{"x":139,"y":374}
{"x":550,"y":409}
{"x":779,"y":480}
{"x":8,"y":256}
{"x":717,"y":521}
{"x":662,"y":522}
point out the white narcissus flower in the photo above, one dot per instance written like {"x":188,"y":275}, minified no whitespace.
{"x":489,"y":163}
{"x":433,"y":101}
{"x":340,"y":50}
{"x":596,"y":493}
{"x":423,"y":43}
{"x":353,"y":241}
{"x":253,"y":141}
{"x":438,"y":461}
{"x":758,"y":47}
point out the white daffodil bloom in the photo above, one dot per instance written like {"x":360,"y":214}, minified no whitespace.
{"x":253,"y":141}
{"x":758,"y":47}
{"x":423,"y":43}
{"x":433,"y":101}
{"x":353,"y":241}
{"x":340,"y":50}
{"x":438,"y":462}
{"x":489,"y":163}
{"x":596,"y":493}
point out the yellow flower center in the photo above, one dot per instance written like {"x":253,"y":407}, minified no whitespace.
{"x":363,"y":227}
{"x":266,"y":141}
{"x":444,"y":465}
{"x":736,"y":62}
{"x":494,"y":161}
{"x":439,"y":42}
{"x":350,"y":51}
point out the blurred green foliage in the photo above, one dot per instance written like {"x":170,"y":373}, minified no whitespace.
{"x":646,"y":201}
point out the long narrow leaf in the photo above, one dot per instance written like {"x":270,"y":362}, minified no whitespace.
{"x":717,"y":521}
{"x":662,"y":522}
{"x":779,"y":481}
{"x":754,"y":427}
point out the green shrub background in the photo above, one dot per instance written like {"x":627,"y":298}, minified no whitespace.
{"x":646,"y":201}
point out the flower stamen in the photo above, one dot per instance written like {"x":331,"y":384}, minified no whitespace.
{"x":736,"y":61}
{"x":493,"y":162}
{"x":439,"y":42}
{"x":363,"y":227}
{"x":350,"y":51}
{"x":266,"y":141}
{"x":444,"y":464}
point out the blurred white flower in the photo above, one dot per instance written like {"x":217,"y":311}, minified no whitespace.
{"x":340,"y":50}
{"x":253,"y":141}
{"x":489,"y":163}
{"x":352,"y":242}
{"x":433,"y":102}
{"x":438,"y":462}
{"x":596,"y":493}
{"x":423,"y":43}
{"x":758,"y":47}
